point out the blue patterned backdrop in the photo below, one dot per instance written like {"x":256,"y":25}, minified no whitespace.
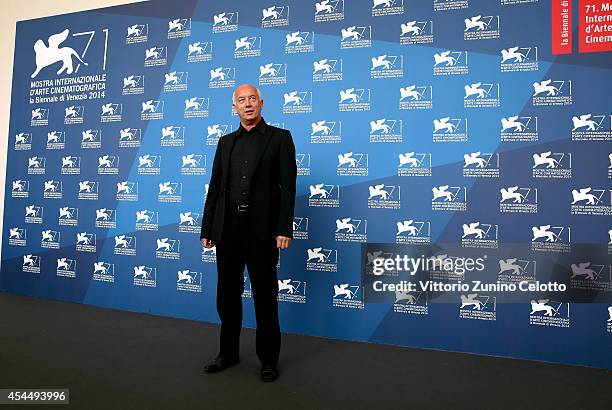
{"x":441,"y":126}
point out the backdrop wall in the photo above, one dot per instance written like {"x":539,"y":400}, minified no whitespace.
{"x":442,"y":128}
{"x":12,"y":13}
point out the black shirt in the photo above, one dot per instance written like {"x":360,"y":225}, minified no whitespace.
{"x":242,"y":158}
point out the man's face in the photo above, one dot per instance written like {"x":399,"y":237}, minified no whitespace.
{"x":248,"y":105}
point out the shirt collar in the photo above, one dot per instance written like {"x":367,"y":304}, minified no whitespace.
{"x":261,"y":127}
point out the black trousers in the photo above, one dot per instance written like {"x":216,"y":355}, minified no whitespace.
{"x":238,"y":247}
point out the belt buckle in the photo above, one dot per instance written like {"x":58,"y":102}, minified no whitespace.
{"x":243,"y":207}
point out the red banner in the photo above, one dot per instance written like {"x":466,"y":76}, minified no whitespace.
{"x":595,"y":26}
{"x":561,"y":26}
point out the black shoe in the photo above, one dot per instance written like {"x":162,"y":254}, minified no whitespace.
{"x":269,"y":372}
{"x":219,"y":364}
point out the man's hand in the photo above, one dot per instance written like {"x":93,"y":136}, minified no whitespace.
{"x":282,"y":242}
{"x":207,"y":243}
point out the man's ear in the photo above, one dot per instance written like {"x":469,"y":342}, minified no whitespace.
{"x":262,"y":103}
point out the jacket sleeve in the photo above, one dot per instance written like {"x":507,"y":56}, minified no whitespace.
{"x":287,"y":178}
{"x":214,"y":187}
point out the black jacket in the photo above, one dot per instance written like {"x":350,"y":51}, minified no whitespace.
{"x":272,"y":191}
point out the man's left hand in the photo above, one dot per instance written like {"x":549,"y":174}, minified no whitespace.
{"x":282,"y":242}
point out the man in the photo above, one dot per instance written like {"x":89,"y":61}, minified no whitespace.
{"x":248,"y":216}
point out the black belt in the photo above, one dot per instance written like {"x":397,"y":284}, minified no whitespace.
{"x":234,"y":207}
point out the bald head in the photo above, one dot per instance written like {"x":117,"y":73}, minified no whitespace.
{"x":248,"y":105}
{"x":243,"y":87}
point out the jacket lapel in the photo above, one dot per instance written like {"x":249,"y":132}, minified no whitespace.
{"x":226,"y":151}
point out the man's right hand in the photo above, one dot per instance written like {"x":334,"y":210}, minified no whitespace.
{"x":206,"y":243}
